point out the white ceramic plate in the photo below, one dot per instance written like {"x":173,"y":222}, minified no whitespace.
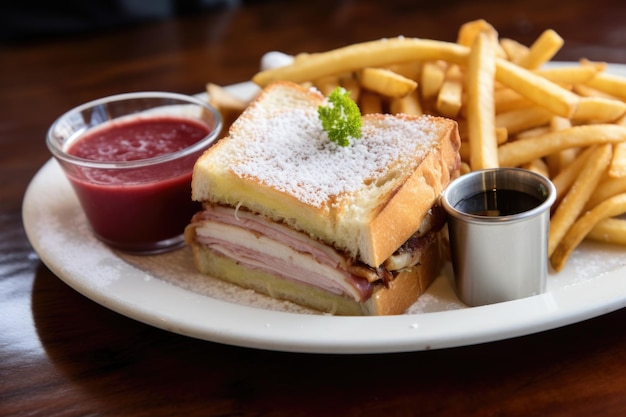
{"x":166,"y":292}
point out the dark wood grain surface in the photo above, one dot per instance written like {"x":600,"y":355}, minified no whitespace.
{"x":64,"y":355}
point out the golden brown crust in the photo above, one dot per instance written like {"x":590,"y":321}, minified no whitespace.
{"x":403,"y":213}
{"x":408,"y":285}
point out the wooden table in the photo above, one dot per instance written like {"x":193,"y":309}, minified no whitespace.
{"x":64,"y":355}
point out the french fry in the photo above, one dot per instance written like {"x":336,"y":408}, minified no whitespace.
{"x":566,"y":177}
{"x":222,"y":98}
{"x":617,"y":169}
{"x":454,"y":73}
{"x":326,"y":84}
{"x":302,"y":56}
{"x":410,"y":70}
{"x":542,"y":50}
{"x":514,"y":50}
{"x":568,"y":75}
{"x":598,"y":66}
{"x":539,"y":166}
{"x":519,"y":152}
{"x":560,"y":160}
{"x":351,"y":85}
{"x":432,"y":78}
{"x":610,"y":230}
{"x":614,"y":206}
{"x":386,"y":82}
{"x":481,"y":67}
{"x":370,"y":103}
{"x":609,"y":83}
{"x":573,"y":203}
{"x":450,"y":98}
{"x":532,"y":132}
{"x":559,"y":123}
{"x":584,"y":90}
{"x":537,"y":89}
{"x":599,"y":109}
{"x":470,"y":30}
{"x":378,"y":53}
{"x":408,"y":104}
{"x":502,"y":135}
{"x":506,"y":99}
{"x":607,"y":188}
{"x":229,"y":106}
{"x":515,"y":121}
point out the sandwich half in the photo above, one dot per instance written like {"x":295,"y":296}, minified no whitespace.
{"x":353,"y":230}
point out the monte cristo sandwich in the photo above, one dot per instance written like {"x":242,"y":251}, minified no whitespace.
{"x":350,"y":230}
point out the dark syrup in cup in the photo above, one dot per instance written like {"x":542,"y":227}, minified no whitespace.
{"x":496,"y":202}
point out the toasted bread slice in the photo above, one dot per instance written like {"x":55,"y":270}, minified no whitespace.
{"x":366,"y":199}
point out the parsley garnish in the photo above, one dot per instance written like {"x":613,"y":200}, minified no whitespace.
{"x":341,"y":118}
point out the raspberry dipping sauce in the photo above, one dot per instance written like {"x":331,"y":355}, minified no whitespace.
{"x":129,"y":159}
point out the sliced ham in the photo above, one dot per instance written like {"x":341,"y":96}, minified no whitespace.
{"x":275,"y":248}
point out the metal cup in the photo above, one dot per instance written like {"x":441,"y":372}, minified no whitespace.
{"x":499,"y":255}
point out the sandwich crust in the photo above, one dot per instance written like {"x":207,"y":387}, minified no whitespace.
{"x":400,"y":215}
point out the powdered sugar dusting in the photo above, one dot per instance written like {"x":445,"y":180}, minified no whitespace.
{"x":291,"y":153}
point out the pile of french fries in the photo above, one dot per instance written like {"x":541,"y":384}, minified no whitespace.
{"x":567,"y":122}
